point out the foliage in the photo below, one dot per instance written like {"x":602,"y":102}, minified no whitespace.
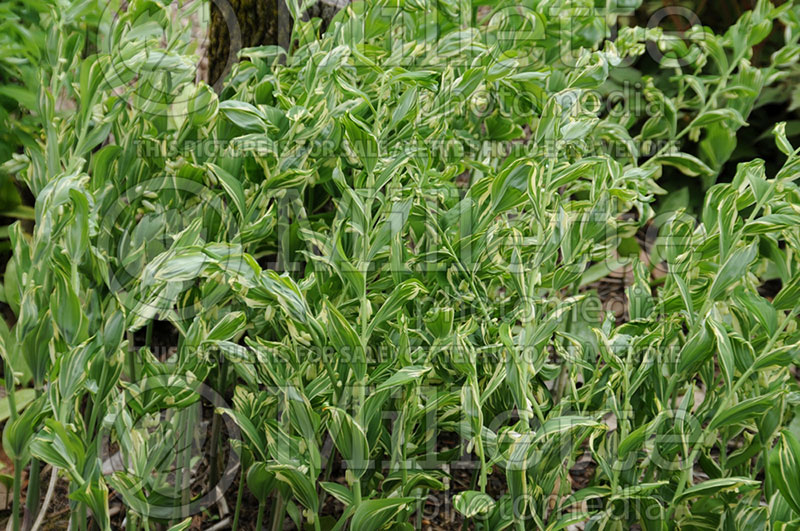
{"x":387,"y":239}
{"x":24,"y":50}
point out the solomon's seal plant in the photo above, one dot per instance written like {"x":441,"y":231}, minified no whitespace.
{"x":370,"y":275}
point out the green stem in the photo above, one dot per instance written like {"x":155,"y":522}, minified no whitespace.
{"x":684,"y":480}
{"x":561,"y":383}
{"x":148,"y":335}
{"x":34,"y":485}
{"x":260,"y":517}
{"x":356,"y":492}
{"x":12,"y":404}
{"x":95,"y":407}
{"x":17,"y":492}
{"x":479,"y":443}
{"x":536,"y":409}
{"x":187,"y":461}
{"x":482,"y":454}
{"x":216,"y":427}
{"x":11,"y":391}
{"x":131,"y":358}
{"x":277,"y":513}
{"x":82,"y":523}
{"x":239,"y":495}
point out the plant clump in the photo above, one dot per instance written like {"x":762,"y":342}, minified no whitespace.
{"x":361,"y":280}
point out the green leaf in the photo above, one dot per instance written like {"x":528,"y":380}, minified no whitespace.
{"x":24,"y":96}
{"x":401,"y":294}
{"x":244,"y":115}
{"x":687,"y":164}
{"x":780,"y":139}
{"x":566,"y":423}
{"x":260,"y":481}
{"x":340,"y":492}
{"x":95,"y":494}
{"x":779,"y":357}
{"x":182,"y":525}
{"x":23,"y":397}
{"x":772,"y":223}
{"x":787,"y":297}
{"x":742,"y":412}
{"x":227,"y":327}
{"x":716,"y":115}
{"x":713,"y":486}
{"x":185,"y":265}
{"x":785,"y":469}
{"x":509,"y":188}
{"x":636,"y":438}
{"x":18,"y":434}
{"x":346,"y":341}
{"x":362,"y":141}
{"x":404,"y":106}
{"x":67,"y":312}
{"x":725,"y":353}
{"x":232,"y":187}
{"x":696,"y":351}
{"x":372,"y":515}
{"x":301,"y":485}
{"x":471,"y":503}
{"x":350,"y":439}
{"x":254,"y":437}
{"x":403,"y":376}
{"x":733,"y":271}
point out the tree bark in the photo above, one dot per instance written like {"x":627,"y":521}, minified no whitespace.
{"x":237,"y":24}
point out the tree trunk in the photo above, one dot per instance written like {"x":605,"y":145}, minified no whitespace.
{"x":237,"y":24}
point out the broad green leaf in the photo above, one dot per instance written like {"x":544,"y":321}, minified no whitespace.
{"x":401,"y":294}
{"x":713,"y":486}
{"x":697,"y":350}
{"x":362,"y":141}
{"x":346,"y":341}
{"x":185,"y":265}
{"x":23,"y":397}
{"x":716,"y":115}
{"x":95,"y":495}
{"x":350,"y":440}
{"x":725,"y":354}
{"x":733,"y":270}
{"x":687,"y":164}
{"x":232,"y":187}
{"x":372,"y":515}
{"x":566,"y":423}
{"x":260,"y":481}
{"x":227,"y":327}
{"x":785,"y":468}
{"x":780,"y":139}
{"x":301,"y":485}
{"x":787,"y":297}
{"x":340,"y":492}
{"x":182,"y":525}
{"x":743,"y":411}
{"x":244,"y":115}
{"x":471,"y":503}
{"x":404,"y":376}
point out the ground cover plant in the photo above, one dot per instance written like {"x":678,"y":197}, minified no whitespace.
{"x":364,"y":285}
